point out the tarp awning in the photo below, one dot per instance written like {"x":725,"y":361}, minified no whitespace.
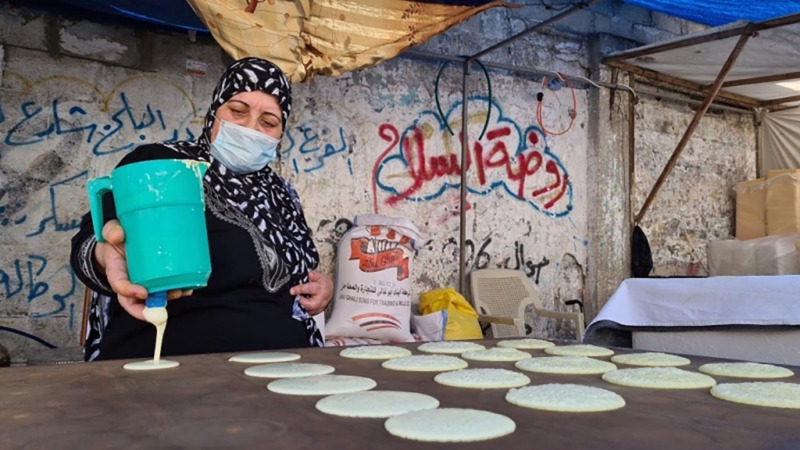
{"x":766,"y":72}
{"x":719,"y":12}
{"x":308,"y":38}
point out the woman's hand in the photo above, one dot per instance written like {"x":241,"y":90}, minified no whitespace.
{"x":316,"y":294}
{"x":111,"y":257}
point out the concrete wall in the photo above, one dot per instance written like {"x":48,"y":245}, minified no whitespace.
{"x":76,"y":95}
{"x":696,"y":202}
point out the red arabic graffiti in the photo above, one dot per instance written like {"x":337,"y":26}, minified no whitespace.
{"x":521,"y":172}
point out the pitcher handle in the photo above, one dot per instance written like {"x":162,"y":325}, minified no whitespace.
{"x":97,"y":187}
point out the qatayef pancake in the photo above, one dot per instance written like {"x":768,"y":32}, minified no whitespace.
{"x":376,"y":404}
{"x":652,"y":359}
{"x":571,"y":365}
{"x":288,"y":370}
{"x":774,"y":394}
{"x":482,"y":378}
{"x":264,"y":357}
{"x":579,"y":350}
{"x":565,"y":398}
{"x":659,"y":378}
{"x":745,"y":370}
{"x":375,"y":352}
{"x":450,"y":425}
{"x":496,"y":354}
{"x":449,"y":347}
{"x":425,"y":363}
{"x":150,"y":364}
{"x":526,"y":344}
{"x":321,"y":385}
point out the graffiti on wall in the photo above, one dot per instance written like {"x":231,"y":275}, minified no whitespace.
{"x":109,"y":123}
{"x":62,"y":194}
{"x":331,"y":231}
{"x":480,"y":255}
{"x":8,"y":217}
{"x":423,"y":162}
{"x":29,"y":278}
{"x":310,"y":144}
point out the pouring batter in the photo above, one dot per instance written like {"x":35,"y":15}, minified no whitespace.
{"x":158,"y":317}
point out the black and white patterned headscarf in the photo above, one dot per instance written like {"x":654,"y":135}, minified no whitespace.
{"x":262,"y":197}
{"x":252,"y":74}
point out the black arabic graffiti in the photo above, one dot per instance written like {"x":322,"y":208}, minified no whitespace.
{"x":530,"y":268}
{"x":481,"y":259}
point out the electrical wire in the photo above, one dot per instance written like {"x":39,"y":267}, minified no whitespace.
{"x":629,"y":89}
{"x":562,"y":77}
{"x":586,"y":80}
{"x":552,"y":5}
{"x":613,"y":86}
{"x":439,"y":105}
{"x":27,"y":335}
{"x":572,"y":113}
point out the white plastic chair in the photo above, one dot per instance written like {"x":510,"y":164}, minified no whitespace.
{"x":501,"y":296}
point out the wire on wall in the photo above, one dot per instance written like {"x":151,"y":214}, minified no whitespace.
{"x":552,"y":5}
{"x":27,"y":335}
{"x":519,"y":70}
{"x":572,"y":112}
{"x":439,"y":105}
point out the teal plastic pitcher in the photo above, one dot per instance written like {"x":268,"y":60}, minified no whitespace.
{"x":161,"y":206}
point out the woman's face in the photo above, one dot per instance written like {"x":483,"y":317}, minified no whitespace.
{"x":256,"y":110}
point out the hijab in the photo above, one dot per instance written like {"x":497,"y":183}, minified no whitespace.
{"x":262,"y":197}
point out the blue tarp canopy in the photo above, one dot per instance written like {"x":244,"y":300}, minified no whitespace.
{"x":719,"y":12}
{"x":177,"y":13}
{"x":169,"y":13}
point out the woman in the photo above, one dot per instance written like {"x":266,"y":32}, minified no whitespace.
{"x":262,"y":291}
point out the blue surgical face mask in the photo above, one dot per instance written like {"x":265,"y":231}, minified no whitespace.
{"x":243,"y":150}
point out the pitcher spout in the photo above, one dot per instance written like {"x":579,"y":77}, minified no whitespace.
{"x":203,"y":168}
{"x":199,"y":167}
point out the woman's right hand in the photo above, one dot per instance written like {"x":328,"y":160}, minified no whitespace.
{"x":111,"y":257}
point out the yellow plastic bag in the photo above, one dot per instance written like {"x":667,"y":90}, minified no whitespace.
{"x":462,"y":320}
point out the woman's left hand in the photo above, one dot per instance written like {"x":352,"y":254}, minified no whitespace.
{"x":316,"y":294}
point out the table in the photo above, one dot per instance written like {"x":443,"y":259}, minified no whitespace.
{"x":754,"y":318}
{"x":208,"y":402}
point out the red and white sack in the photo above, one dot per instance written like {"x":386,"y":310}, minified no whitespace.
{"x":374,"y":263}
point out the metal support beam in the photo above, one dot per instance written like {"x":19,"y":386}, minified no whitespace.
{"x":663,"y":80}
{"x":712,"y":93}
{"x":582,"y":5}
{"x":462,"y":269}
{"x":693,"y":103}
{"x":733,"y":31}
{"x":780,"y":101}
{"x":577,"y":80}
{"x":764,"y":79}
{"x":462,"y":223}
{"x":631,"y":153}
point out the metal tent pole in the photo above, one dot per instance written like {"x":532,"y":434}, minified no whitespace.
{"x":462,"y":272}
{"x":549,"y":21}
{"x":712,"y":93}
